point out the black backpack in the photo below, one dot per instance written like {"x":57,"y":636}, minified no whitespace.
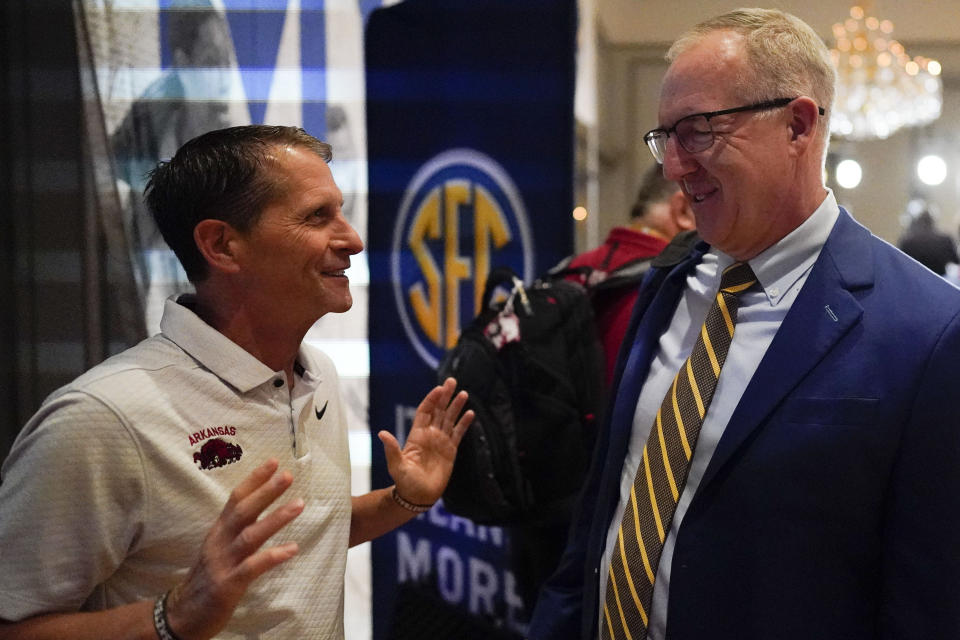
{"x":533,"y":365}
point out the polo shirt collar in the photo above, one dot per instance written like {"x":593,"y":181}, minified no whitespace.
{"x":217,"y":353}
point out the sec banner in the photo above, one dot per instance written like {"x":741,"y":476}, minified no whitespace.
{"x":468,"y":200}
{"x":470,"y":135}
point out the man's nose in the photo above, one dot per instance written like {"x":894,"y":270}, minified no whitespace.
{"x":347,"y":239}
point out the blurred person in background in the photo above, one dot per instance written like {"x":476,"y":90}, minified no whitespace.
{"x":660,"y":212}
{"x":924,"y":242}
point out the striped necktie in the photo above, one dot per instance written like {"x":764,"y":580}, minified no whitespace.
{"x":663,"y":468}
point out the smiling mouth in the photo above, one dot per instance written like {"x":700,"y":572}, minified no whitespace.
{"x":697,"y":198}
{"x":341,"y":273}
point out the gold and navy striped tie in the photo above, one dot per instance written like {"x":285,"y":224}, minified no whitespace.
{"x":663,"y":468}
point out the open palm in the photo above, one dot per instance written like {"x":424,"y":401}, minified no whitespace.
{"x":422,"y":468}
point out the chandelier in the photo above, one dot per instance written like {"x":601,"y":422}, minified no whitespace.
{"x":879,"y":87}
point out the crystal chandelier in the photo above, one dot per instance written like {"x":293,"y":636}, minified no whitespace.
{"x":879,"y":87}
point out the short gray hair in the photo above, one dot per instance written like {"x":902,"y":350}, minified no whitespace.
{"x":785,"y":56}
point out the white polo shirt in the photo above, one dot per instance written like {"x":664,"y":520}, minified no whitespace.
{"x":111,"y":487}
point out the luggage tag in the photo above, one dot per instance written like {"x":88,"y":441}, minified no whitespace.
{"x":505,"y":327}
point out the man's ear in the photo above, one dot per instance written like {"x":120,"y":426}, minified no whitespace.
{"x":681,"y":212}
{"x":804,"y":122}
{"x":218,"y":242}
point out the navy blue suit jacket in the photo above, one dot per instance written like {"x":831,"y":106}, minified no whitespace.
{"x":829,"y":509}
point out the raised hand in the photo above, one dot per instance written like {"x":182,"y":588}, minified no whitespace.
{"x":231,"y":558}
{"x":422,"y":468}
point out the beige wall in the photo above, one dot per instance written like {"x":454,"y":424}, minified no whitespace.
{"x":660,"y":21}
{"x":628,"y":90}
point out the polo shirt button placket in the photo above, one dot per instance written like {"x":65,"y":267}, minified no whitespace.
{"x":278,"y":383}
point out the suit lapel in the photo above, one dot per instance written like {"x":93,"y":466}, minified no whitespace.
{"x":824,"y":311}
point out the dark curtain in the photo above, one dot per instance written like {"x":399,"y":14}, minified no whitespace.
{"x":68,"y":303}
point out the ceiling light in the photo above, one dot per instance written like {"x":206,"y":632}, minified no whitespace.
{"x":849,"y":174}
{"x":932,"y":170}
{"x":879,"y":87}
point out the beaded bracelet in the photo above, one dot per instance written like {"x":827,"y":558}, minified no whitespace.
{"x":160,"y":622}
{"x":409,"y":506}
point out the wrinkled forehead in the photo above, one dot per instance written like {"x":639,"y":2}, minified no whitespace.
{"x":704,"y":77}
{"x":292,"y":171}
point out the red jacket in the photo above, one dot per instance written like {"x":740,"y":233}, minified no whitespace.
{"x":613,"y":311}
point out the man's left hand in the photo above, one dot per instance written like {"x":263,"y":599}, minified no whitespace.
{"x":422,"y":468}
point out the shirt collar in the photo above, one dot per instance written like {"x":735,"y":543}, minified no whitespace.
{"x":782,"y":265}
{"x":214,"y":351}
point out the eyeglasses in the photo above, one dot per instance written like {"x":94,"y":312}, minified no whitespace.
{"x":694,"y":133}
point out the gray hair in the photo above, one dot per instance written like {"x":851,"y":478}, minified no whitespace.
{"x":785,"y":57}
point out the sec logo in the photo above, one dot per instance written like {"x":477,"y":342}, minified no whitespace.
{"x":460,"y":215}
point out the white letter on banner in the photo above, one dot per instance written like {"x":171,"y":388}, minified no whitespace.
{"x":435,"y":517}
{"x":514,"y":603}
{"x":450,"y":575}
{"x":412,"y":565}
{"x":469,"y":529}
{"x":493,"y":534}
{"x":483,"y":586}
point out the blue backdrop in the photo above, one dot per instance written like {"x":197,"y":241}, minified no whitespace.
{"x":470,"y":146}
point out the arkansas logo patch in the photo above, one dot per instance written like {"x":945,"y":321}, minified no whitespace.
{"x":216,"y":451}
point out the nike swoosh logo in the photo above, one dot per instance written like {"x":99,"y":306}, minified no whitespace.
{"x":320,"y":412}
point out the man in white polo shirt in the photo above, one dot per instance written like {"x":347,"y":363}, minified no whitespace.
{"x":135,"y":503}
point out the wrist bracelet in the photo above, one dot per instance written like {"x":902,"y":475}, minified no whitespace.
{"x":160,"y":622}
{"x":406,"y":504}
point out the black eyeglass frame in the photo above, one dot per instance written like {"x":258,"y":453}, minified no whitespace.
{"x":651,"y":137}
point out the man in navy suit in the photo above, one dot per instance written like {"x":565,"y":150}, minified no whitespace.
{"x":821,"y":497}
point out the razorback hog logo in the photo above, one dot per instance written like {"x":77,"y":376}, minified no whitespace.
{"x":217,"y":452}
